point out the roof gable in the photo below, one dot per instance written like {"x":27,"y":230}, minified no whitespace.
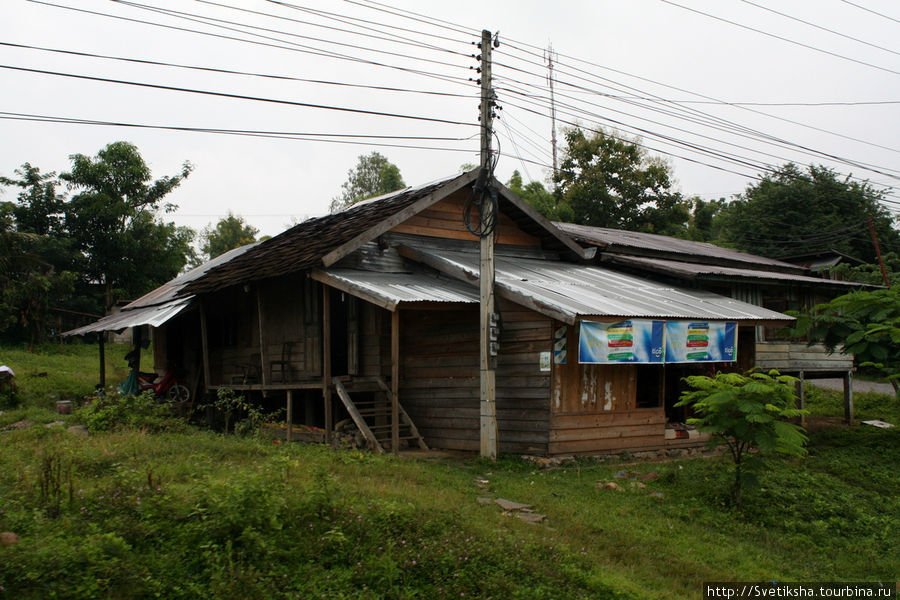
{"x":323,"y":241}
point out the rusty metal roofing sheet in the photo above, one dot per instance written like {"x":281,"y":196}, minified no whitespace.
{"x":574,"y":291}
{"x":150,"y":315}
{"x":605,"y":238}
{"x":695,"y":271}
{"x":396,"y":288}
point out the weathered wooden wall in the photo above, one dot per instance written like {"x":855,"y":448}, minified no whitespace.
{"x":439,"y":384}
{"x":291,"y":314}
{"x":444,"y":220}
{"x":793,"y":357}
{"x":593,"y":408}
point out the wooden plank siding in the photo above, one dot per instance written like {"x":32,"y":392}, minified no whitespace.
{"x":792,"y":357}
{"x":439,"y":385}
{"x":445,"y":220}
{"x":233,"y":325}
{"x":593,"y":408}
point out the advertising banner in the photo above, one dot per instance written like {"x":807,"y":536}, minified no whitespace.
{"x":701,"y":341}
{"x":632,"y":341}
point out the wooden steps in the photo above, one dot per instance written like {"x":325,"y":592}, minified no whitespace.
{"x":371,"y":412}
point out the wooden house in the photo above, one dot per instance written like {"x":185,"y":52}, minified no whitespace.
{"x":372,"y":314}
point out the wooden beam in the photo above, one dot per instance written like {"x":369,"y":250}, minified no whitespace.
{"x":204,"y":345}
{"x":263,"y":375}
{"x":328,"y":279}
{"x":848,"y":397}
{"x":357,"y":418}
{"x":326,"y":360}
{"x":391,"y":222}
{"x":100,"y":335}
{"x":290,"y":415}
{"x":395,"y":382}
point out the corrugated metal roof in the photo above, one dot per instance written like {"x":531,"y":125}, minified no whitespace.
{"x":149,"y":315}
{"x":574,"y":291}
{"x":605,"y":237}
{"x":170,"y":290}
{"x":396,"y":288}
{"x":695,"y":270}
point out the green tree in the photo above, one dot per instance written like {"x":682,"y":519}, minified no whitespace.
{"x":541,"y":199}
{"x":703,"y":225}
{"x":606,"y":181}
{"x":865,"y":324}
{"x":373,"y":175}
{"x":113,"y":221}
{"x":795,"y":211}
{"x":229,"y":233}
{"x":748,"y":414}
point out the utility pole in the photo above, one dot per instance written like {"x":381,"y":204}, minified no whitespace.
{"x":488,"y":318}
{"x":549,"y":57}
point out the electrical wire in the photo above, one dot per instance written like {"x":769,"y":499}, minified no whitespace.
{"x":292,"y":47}
{"x":778,"y":37}
{"x":843,"y":35}
{"x":238,"y":96}
{"x":861,"y":7}
{"x":296,"y":136}
{"x":233,"y":72}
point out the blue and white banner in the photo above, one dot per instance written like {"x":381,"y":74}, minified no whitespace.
{"x":701,"y":341}
{"x":632,"y":341}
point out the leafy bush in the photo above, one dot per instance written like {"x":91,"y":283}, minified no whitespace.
{"x":748,"y":414}
{"x":113,"y":411}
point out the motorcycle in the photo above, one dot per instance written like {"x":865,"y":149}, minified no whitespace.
{"x":168,"y":385}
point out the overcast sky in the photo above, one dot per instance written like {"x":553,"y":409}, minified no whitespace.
{"x":615,"y":61}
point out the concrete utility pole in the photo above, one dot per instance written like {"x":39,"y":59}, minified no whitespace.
{"x":488,"y":324}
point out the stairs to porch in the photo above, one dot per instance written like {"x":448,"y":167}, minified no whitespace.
{"x":368,"y":401}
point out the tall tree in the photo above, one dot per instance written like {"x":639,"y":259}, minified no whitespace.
{"x":229,"y":233}
{"x":796,"y":211}
{"x":113,"y":220}
{"x":606,"y":181}
{"x":373,"y":175}
{"x":541,"y":199}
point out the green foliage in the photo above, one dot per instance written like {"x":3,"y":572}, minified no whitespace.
{"x":373,"y":175}
{"x":112,"y":411}
{"x":607,"y":181}
{"x":865,"y":324}
{"x":229,"y":233}
{"x":795,"y":211}
{"x":233,"y":405}
{"x":748,"y":414}
{"x":112,"y":220}
{"x":870,"y":273}
{"x":535,"y":194}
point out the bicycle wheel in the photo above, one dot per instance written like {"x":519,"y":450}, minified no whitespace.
{"x":178,"y":393}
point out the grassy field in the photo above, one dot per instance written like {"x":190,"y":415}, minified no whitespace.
{"x":194,"y":514}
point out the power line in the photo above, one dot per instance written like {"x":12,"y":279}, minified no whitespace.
{"x":293,"y":47}
{"x":843,"y":35}
{"x":861,"y":7}
{"x":215,"y":22}
{"x":233,"y":72}
{"x":237,"y":96}
{"x":778,"y":37}
{"x":297,"y":136}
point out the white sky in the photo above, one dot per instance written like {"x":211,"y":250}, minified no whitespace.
{"x":274,"y":182}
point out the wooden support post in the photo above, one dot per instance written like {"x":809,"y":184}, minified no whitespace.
{"x":263,"y":374}
{"x":801,"y":398}
{"x":102,"y":343}
{"x":136,"y":340}
{"x":848,"y":397}
{"x":204,"y":345}
{"x":395,"y":381}
{"x":326,"y":360}
{"x":290,"y":415}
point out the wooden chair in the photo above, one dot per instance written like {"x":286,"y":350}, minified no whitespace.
{"x":282,"y":368}
{"x":247,"y":373}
